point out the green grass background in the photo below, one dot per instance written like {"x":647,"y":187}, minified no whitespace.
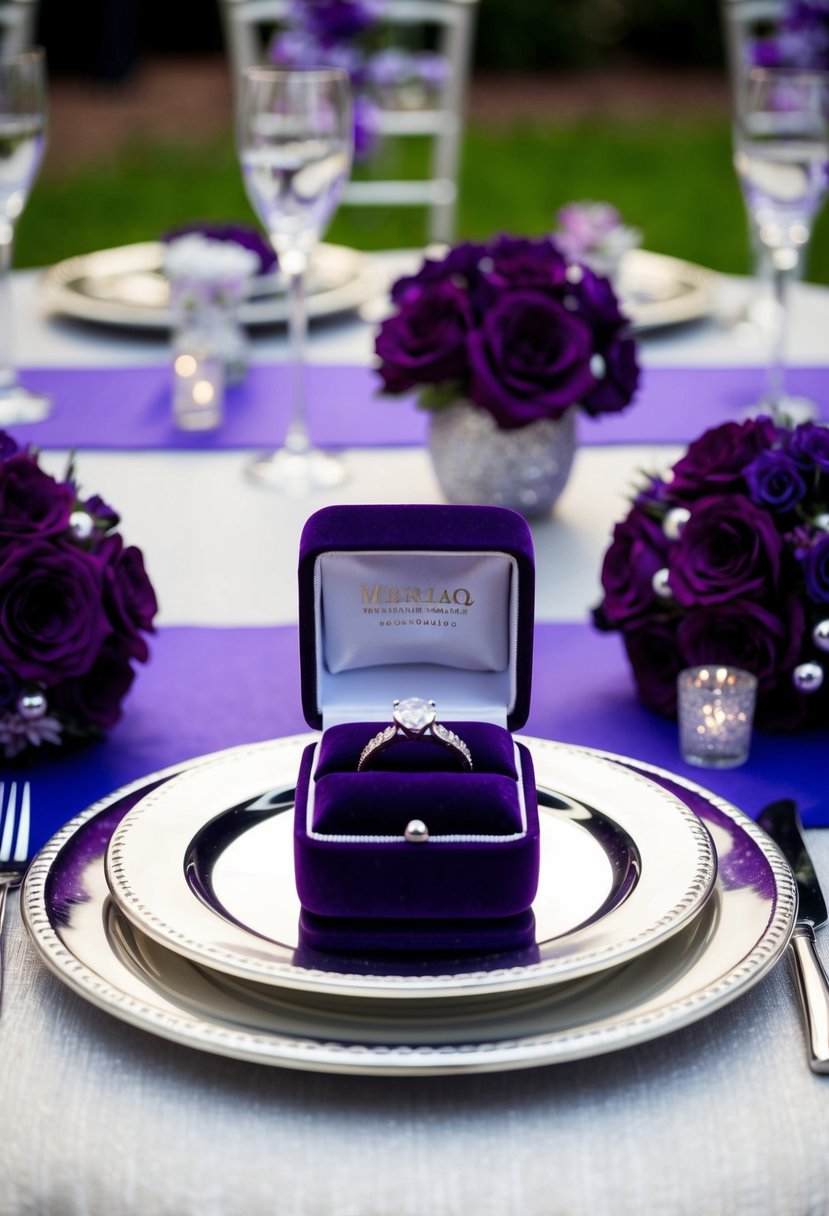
{"x":672,"y":178}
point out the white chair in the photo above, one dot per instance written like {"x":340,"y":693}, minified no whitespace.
{"x":17,"y":25}
{"x":247,"y":26}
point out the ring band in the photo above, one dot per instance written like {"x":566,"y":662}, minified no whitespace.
{"x":415,"y":719}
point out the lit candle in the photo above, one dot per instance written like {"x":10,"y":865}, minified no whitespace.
{"x":198,"y":391}
{"x":716,"y":713}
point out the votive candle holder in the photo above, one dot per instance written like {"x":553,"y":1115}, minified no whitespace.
{"x":716,"y":715}
{"x":198,"y":390}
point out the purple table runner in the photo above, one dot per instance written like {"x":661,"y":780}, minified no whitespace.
{"x":129,"y":408}
{"x":203,"y":690}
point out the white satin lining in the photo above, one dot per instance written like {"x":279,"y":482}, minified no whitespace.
{"x":443,"y":609}
{"x":365,"y":693}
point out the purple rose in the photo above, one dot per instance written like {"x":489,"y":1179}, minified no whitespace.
{"x":520,"y":262}
{"x":8,"y":446}
{"x":639,"y":549}
{"x":130,"y":600}
{"x":615,"y":387}
{"x":656,"y":662}
{"x":594,"y":299}
{"x":729,"y":549}
{"x":815,"y":566}
{"x":95,"y":697}
{"x":809,"y":445}
{"x":333,"y":21}
{"x":9,"y":688}
{"x":775,"y":480}
{"x":530,"y":359}
{"x":461,"y":264}
{"x":31,"y":502}
{"x":425,"y":343}
{"x":52,"y":621}
{"x":717,"y":460}
{"x":742,"y":633}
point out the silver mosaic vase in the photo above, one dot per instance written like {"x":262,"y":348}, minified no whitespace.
{"x":477,"y":461}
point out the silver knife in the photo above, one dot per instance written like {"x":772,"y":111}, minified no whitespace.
{"x":782,"y":822}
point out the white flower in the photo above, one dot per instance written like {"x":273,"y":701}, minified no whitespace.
{"x":205,"y":267}
{"x":17,"y":733}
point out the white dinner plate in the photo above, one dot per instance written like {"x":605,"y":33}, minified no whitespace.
{"x":204,"y":864}
{"x":737,"y":937}
{"x":127,"y":287}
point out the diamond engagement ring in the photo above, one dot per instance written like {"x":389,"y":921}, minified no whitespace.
{"x":415,"y":719}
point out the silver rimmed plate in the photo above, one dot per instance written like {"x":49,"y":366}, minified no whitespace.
{"x":126,"y":287}
{"x":657,"y":290}
{"x":738,"y":936}
{"x":204,"y":865}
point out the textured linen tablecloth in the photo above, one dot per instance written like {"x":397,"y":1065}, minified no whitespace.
{"x":102,"y":1119}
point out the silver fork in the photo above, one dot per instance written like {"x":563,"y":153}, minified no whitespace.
{"x":15,"y":829}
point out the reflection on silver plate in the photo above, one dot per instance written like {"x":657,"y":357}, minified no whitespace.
{"x":126,"y":287}
{"x":737,"y":937}
{"x":204,"y":865}
{"x":656,"y":290}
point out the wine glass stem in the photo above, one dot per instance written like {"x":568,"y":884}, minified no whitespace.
{"x":297,"y":439}
{"x":783,"y":267}
{"x":7,"y":372}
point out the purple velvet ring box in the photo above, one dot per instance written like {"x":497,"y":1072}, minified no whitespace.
{"x":434,"y":602}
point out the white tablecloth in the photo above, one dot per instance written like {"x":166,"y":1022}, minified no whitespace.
{"x":99,"y":1117}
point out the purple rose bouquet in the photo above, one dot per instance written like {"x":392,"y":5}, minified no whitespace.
{"x":726,"y":560}
{"x":75,"y":604}
{"x":512,"y":326}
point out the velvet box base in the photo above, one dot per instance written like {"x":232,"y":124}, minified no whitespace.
{"x":352,"y":859}
{"x":320,"y":936}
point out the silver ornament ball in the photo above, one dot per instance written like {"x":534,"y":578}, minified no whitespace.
{"x":822,"y":521}
{"x":81,"y":525}
{"x":674,"y":521}
{"x":807,"y":677}
{"x":660,"y":584}
{"x":31,"y":705}
{"x":820,"y":635}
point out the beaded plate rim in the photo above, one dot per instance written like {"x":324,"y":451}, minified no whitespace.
{"x":147,"y":885}
{"x":578,"y":1042}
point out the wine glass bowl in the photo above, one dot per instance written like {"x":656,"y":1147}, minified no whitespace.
{"x":23,"y":118}
{"x":295,"y":140}
{"x":781,"y":155}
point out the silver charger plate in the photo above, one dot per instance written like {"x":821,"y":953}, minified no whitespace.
{"x":126,"y":287}
{"x":740,"y":933}
{"x":204,"y":865}
{"x":657,"y":291}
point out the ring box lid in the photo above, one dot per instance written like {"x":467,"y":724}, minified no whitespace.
{"x":410,"y":600}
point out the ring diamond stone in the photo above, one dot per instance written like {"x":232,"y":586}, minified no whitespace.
{"x":415,"y":719}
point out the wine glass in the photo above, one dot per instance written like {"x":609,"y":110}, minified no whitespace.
{"x":295,"y":141}
{"x":781,"y":154}
{"x":23,"y":108}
